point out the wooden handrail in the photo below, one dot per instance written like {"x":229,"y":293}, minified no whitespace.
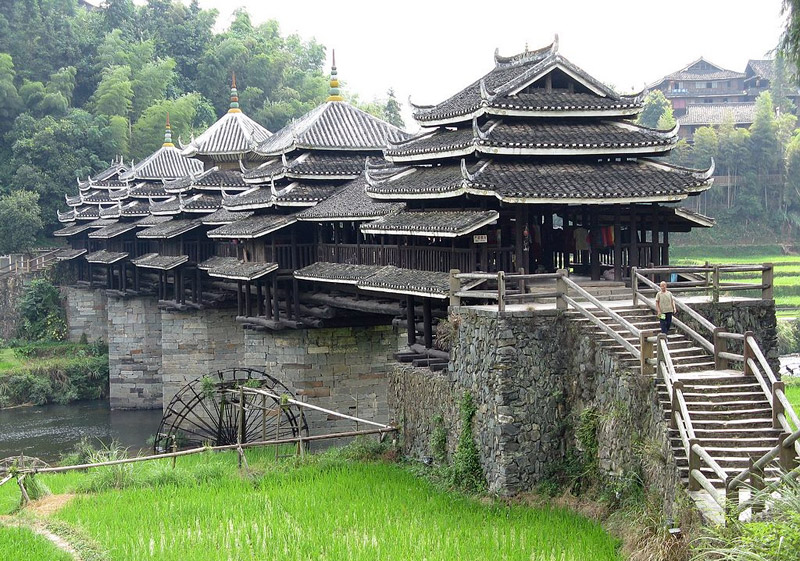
{"x":602,"y":325}
{"x":706,"y":484}
{"x":636,"y":332}
{"x":681,"y":306}
{"x":712,"y":463}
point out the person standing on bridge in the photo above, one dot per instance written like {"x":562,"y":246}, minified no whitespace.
{"x":665,"y":306}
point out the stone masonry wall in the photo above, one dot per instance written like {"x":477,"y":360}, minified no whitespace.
{"x":134,"y":353}
{"x":10,"y":293}
{"x":342,"y":369}
{"x":197,"y":343}
{"x":86,"y":313}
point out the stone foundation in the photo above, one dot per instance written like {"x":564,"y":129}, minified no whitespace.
{"x":197,"y":343}
{"x":134,"y":353}
{"x":86,"y":313}
{"x":10,"y":293}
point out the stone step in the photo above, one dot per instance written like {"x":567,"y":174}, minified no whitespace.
{"x":731,"y":406}
{"x":692,"y":396}
{"x":740,"y":424}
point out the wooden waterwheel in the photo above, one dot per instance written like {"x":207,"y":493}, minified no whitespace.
{"x":205,"y":412}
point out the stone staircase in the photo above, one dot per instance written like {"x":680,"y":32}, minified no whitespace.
{"x":731,"y":416}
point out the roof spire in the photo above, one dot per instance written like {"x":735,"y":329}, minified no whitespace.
{"x":234,"y":107}
{"x":333,"y":92}
{"x":168,"y":135}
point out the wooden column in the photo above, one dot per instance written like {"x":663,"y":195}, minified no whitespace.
{"x":239,"y":298}
{"x":665,"y":247}
{"x":176,"y":281}
{"x":634,"y":232}
{"x":276,"y":310}
{"x":617,"y":245}
{"x":654,"y":232}
{"x":547,"y":240}
{"x":296,"y":298}
{"x":411,"y":321}
{"x":427,"y":323}
{"x":594,"y":253}
{"x":136,"y":278}
{"x":268,"y":300}
{"x":518,"y":239}
{"x":259,"y":299}
{"x":248,"y":303}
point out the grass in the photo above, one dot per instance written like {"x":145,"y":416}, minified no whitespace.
{"x":324,"y":507}
{"x":22,"y":543}
{"x":9,"y":360}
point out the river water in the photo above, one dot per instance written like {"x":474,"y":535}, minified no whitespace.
{"x":48,"y":431}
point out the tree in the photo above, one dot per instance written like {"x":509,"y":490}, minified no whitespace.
{"x":392,"y":110}
{"x":148,"y":132}
{"x":114,"y":94}
{"x":792,"y":189}
{"x":150,"y":84}
{"x":655,"y":104}
{"x":790,"y":40}
{"x":667,"y":120}
{"x":10,"y":100}
{"x":20,"y":221}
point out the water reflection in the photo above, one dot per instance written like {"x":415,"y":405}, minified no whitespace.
{"x":50,"y":430}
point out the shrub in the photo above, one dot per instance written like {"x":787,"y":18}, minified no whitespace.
{"x":41,"y":313}
{"x":447,"y":332}
{"x":466,"y":473}
{"x":439,"y":439}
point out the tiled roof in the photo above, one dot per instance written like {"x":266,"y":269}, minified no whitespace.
{"x":107,"y":185}
{"x":97,"y":197}
{"x":224,"y":216}
{"x":377,"y":278}
{"x":259,"y":197}
{"x":204,"y":203}
{"x":76,"y":200}
{"x":242,"y":271}
{"x":136,"y":208}
{"x":68,"y":254}
{"x":68,"y":216}
{"x":72,"y":230}
{"x":106,"y":257}
{"x":233,"y":135}
{"x":216,"y":261}
{"x":152,"y":220}
{"x":511,"y":75}
{"x":444,"y":223}
{"x":335,"y":272}
{"x":716,"y":114}
{"x":332,"y":125}
{"x":113,"y":231}
{"x":350,"y":202}
{"x":179,"y":185}
{"x":272,"y":168}
{"x":702,"y":69}
{"x":87,"y":213}
{"x":322,"y":164}
{"x":169,"y":229}
{"x":536,"y":182}
{"x":763,"y":68}
{"x":110,"y":212}
{"x":222,"y":179}
{"x":169,"y":207}
{"x":116,"y":167}
{"x":253,"y":227}
{"x":407,"y":281}
{"x":161,"y":262}
{"x":144,"y":189}
{"x":164,"y":163}
{"x":558,"y":100}
{"x":303,"y":194}
{"x":535,"y":137}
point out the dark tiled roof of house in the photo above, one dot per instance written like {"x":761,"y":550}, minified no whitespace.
{"x":113,"y":211}
{"x":325,"y":164}
{"x":97,"y":197}
{"x":152,"y":220}
{"x":135,"y":208}
{"x":259,"y":197}
{"x":224,"y":216}
{"x":407,"y":281}
{"x":204,"y":203}
{"x":273,"y":168}
{"x":216,"y":261}
{"x":146,"y":190}
{"x":253,"y":227}
{"x":72,"y":230}
{"x":223,"y":179}
{"x":396,"y":183}
{"x":104,"y":257}
{"x":169,"y":229}
{"x":169,"y":207}
{"x":763,"y":68}
{"x":68,"y":254}
{"x":164,"y":163}
{"x":239,"y":270}
{"x":336,"y":272}
{"x":444,"y":223}
{"x":234,"y":134}
{"x":113,"y":231}
{"x":334,"y":125}
{"x":561,"y":100}
{"x":349,"y":202}
{"x":303,"y":194}
{"x":716,"y":114}
{"x":160,"y":262}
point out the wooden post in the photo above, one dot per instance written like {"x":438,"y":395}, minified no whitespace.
{"x":263,"y":418}
{"x":617,"y":245}
{"x":767,"y":276}
{"x":276,"y":308}
{"x":756,"y":485}
{"x":411,"y":321}
{"x":715,"y":287}
{"x":635,"y":286}
{"x":427,"y":323}
{"x":694,"y":464}
{"x":786,"y":455}
{"x":296,"y":298}
{"x":259,"y":299}
{"x":646,"y":353}
{"x":25,"y":497}
{"x":198,"y":285}
{"x":240,"y":437}
{"x":501,"y":291}
{"x":278,"y":428}
{"x":654,"y":235}
{"x":747,"y":353}
{"x":522,"y":281}
{"x":561,"y":289}
{"x":777,"y":406}
{"x":248,"y":304}
{"x":731,"y":495}
{"x":634,"y":230}
{"x":268,"y":300}
{"x":675,"y":406}
{"x":720,"y":346}
{"x":455,"y":286}
{"x":239,"y":298}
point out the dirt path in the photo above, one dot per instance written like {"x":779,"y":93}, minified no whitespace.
{"x":41,"y":508}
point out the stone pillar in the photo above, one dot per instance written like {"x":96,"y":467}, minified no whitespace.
{"x":86,"y":313}
{"x":134,"y":353}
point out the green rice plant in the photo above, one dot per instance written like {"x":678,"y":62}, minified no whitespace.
{"x":117,"y":476}
{"x":326,"y":508}
{"x":23,"y":543}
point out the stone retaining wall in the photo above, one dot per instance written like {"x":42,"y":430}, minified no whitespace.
{"x":10,"y":293}
{"x":86,"y":313}
{"x":134,"y":353}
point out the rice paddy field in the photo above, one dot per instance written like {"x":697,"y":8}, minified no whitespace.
{"x":22,"y":543}
{"x":322,"y":507}
{"x":787,"y":271}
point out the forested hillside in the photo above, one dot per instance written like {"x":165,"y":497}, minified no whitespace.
{"x":79,"y":86}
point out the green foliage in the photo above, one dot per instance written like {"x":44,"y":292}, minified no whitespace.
{"x":188,"y":114}
{"x":439,"y":439}
{"x":586,"y":433}
{"x":466,"y":473}
{"x":655,"y":106}
{"x":789,"y":337}
{"x":35,"y":488}
{"x":20,"y":221}
{"x":41,"y":313}
{"x":22,"y":543}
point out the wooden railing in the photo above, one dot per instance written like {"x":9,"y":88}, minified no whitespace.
{"x":708,"y":279}
{"x":30,"y":263}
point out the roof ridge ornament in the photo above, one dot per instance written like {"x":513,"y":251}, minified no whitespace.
{"x":476,"y":130}
{"x":234,"y":106}
{"x":168,"y":135}
{"x":465,"y":174}
{"x":554,"y":46}
{"x":333,"y":92}
{"x":486,"y":96}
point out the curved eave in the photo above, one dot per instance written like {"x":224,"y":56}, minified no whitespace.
{"x":351,"y":282}
{"x":545,"y":150}
{"x":490,"y":110}
{"x":263,"y":179}
{"x":304,"y":204}
{"x":251,"y":206}
{"x":404,"y":291}
{"x":312,"y":176}
{"x":365,"y":228}
{"x":252,"y":235}
{"x":455,"y":152}
{"x":405,"y":195}
{"x":664,"y":198}
{"x":326,"y":219}
{"x":269,"y":268}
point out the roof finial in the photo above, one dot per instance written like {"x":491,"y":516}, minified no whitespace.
{"x":168,"y":135}
{"x":333,"y":92}
{"x":234,"y":107}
